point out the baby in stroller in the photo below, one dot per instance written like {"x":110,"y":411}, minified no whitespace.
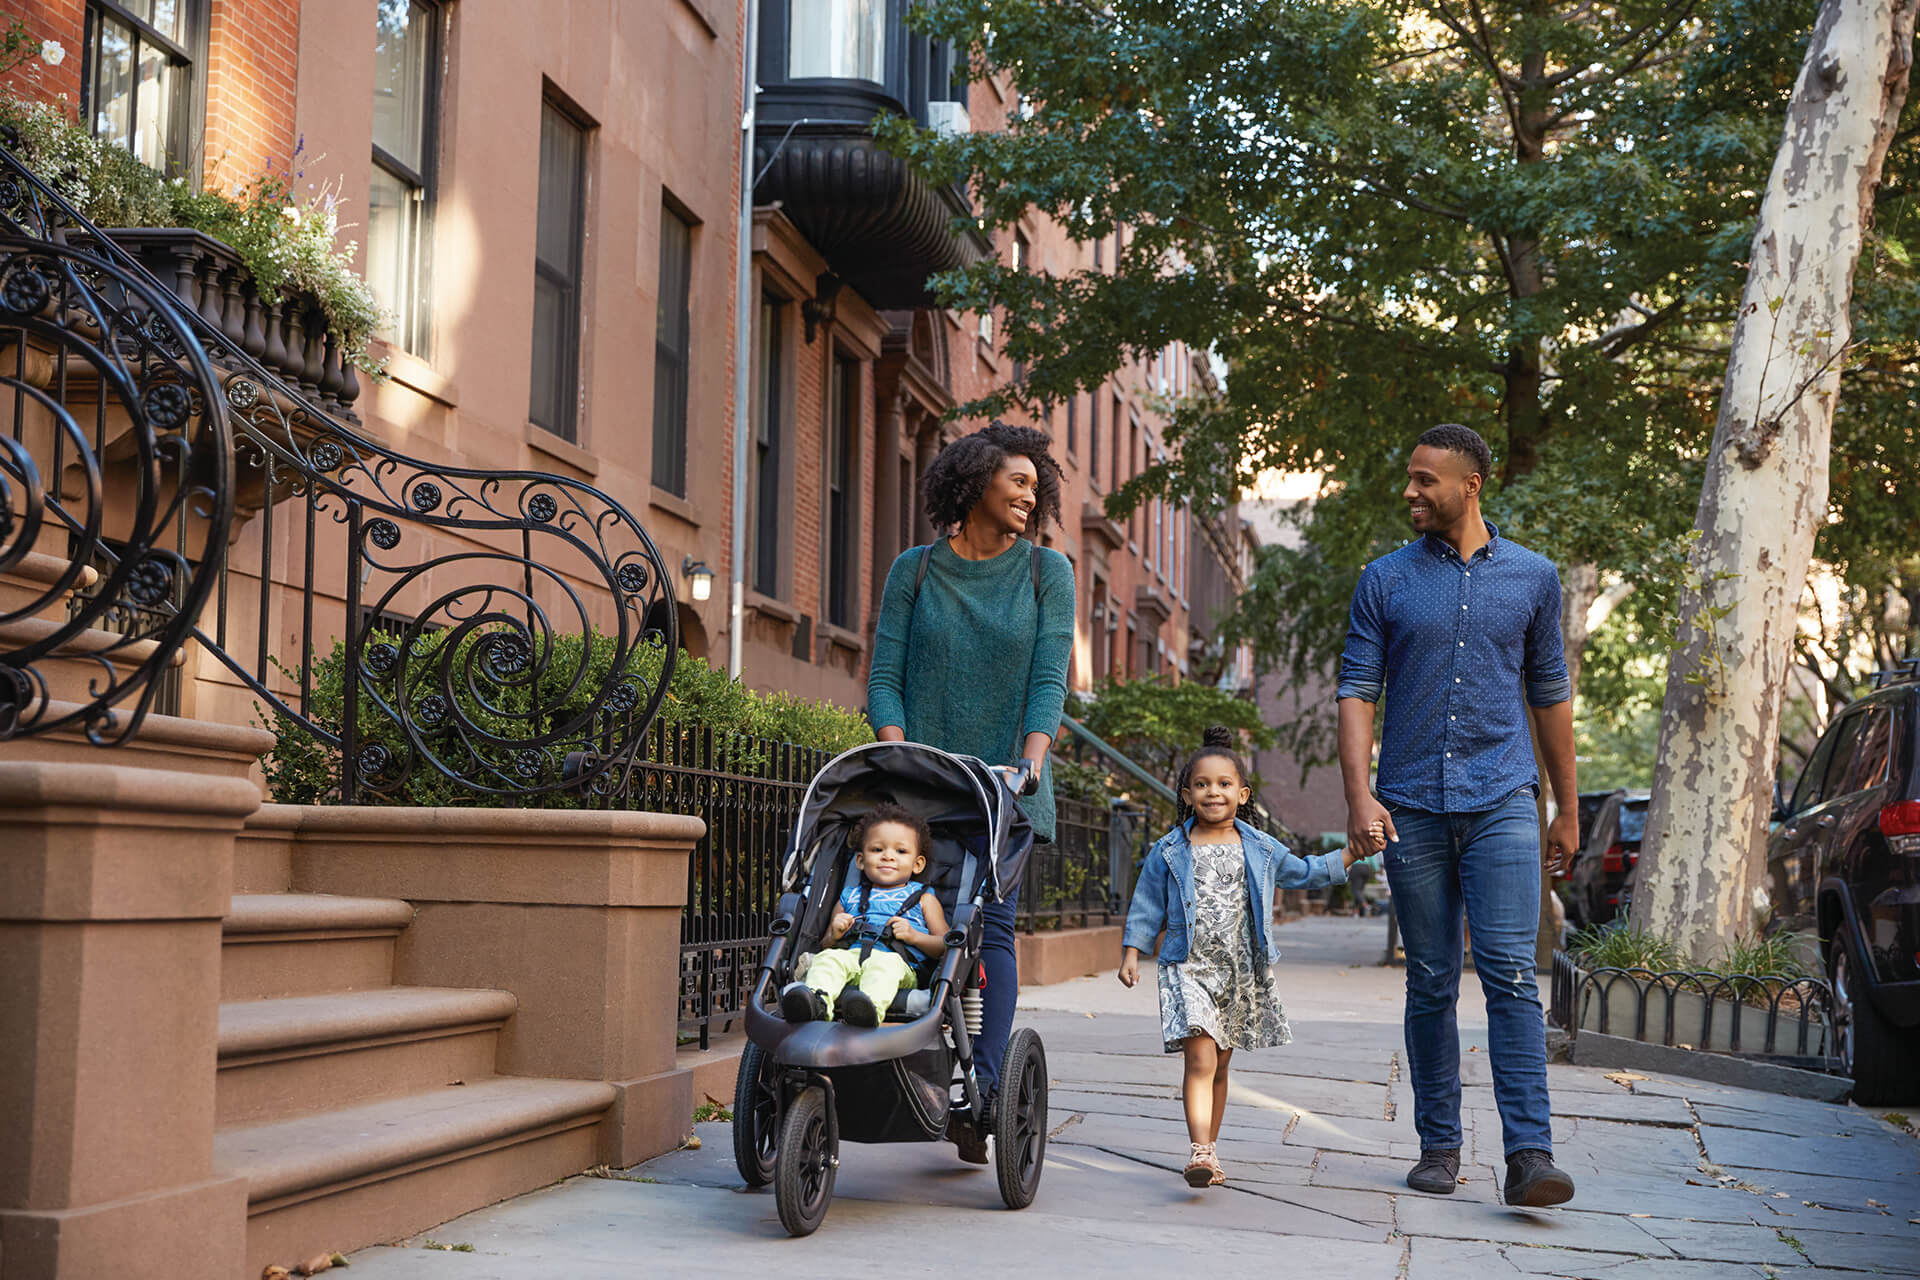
{"x":886,"y":927}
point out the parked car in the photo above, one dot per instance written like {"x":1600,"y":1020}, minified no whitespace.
{"x":1607,"y":857}
{"x":1844,"y":867}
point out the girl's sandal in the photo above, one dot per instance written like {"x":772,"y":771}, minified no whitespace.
{"x":1219,"y":1177}
{"x":1202,"y":1168}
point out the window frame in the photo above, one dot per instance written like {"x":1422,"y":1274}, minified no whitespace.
{"x":840,"y":583}
{"x":191,"y":112}
{"x":568,"y":428}
{"x":772,"y":380}
{"x":669,"y":469}
{"x":424,"y":183}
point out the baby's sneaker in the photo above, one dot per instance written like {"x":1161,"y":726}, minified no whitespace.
{"x":857,"y":1009}
{"x":801,"y":1003}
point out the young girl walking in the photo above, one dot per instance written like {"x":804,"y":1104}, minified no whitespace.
{"x":1209,"y":883}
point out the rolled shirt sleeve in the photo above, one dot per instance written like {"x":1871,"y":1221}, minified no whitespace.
{"x":1052,"y":649}
{"x":1363,"y":661}
{"x":1547,"y":680}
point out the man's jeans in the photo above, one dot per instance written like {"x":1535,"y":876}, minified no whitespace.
{"x":1489,"y":862}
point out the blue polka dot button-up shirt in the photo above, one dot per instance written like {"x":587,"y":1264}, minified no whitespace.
{"x":1455,"y":646}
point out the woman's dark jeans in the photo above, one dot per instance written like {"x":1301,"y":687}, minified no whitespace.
{"x":1002,"y":991}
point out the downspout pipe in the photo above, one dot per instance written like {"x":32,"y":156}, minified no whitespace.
{"x":743,"y":340}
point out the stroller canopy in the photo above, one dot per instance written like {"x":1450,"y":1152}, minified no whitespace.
{"x":962,"y":800}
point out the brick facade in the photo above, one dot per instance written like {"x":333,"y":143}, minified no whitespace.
{"x":252,"y":78}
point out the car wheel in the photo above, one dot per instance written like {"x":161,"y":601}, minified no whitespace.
{"x":1878,"y":1057}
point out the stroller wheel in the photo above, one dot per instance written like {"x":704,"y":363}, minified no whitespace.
{"x":1020,"y":1119}
{"x":804,"y":1163}
{"x":756,"y":1115}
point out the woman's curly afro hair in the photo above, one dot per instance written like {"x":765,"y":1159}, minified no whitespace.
{"x":955,"y":481}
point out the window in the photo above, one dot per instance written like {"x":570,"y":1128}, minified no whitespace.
{"x":1868,"y":765}
{"x":1100,"y":254}
{"x":1806,"y":792}
{"x":399,"y":198}
{"x":770,"y":384}
{"x":672,"y":352}
{"x":558,"y":232}
{"x":137,"y":80}
{"x":843,"y":427}
{"x":837,"y":40}
{"x":1073,"y":422}
{"x":1093,"y":437}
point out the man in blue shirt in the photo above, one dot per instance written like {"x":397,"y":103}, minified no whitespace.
{"x":1460,"y":632}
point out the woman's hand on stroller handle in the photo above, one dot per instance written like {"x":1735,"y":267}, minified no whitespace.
{"x":1022,"y":779}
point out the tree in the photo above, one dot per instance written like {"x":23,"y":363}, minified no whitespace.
{"x":1765,"y":495}
{"x":1159,"y":725}
{"x":1529,"y":215}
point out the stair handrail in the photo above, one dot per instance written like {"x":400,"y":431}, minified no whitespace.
{"x":476,"y":705}
{"x":1120,"y":759}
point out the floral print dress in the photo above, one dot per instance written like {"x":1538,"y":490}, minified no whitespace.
{"x":1221,"y":989}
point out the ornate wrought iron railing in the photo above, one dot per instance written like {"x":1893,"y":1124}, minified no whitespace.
{"x":1085,"y":877}
{"x":749,"y":790}
{"x":163,"y":491}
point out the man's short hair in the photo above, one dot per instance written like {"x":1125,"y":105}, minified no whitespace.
{"x":1459,"y":439}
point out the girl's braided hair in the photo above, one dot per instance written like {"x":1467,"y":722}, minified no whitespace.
{"x":1217,"y":740}
{"x":958,"y":477}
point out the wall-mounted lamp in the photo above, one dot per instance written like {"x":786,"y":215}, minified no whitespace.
{"x":825,"y":302}
{"x":699,"y":578}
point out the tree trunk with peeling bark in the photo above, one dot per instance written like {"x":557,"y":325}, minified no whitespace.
{"x":1765,"y":494}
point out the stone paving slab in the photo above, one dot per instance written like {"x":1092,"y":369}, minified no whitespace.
{"x":1454,"y":1218}
{"x":1845,"y":1195}
{"x":1721,"y":1241}
{"x":1613,"y":1103}
{"x":1812,"y":1153}
{"x":1376,"y":1173}
{"x":1886,"y":1254}
{"x":1433,"y":1259}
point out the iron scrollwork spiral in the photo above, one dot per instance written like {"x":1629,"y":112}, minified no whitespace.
{"x":115,"y":488}
{"x":494,"y":633}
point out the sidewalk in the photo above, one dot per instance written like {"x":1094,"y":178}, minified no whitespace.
{"x":1678,"y":1180}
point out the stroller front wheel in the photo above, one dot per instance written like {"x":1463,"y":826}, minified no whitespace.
{"x":756,"y":1116}
{"x":1020,"y":1119}
{"x":805,"y":1161}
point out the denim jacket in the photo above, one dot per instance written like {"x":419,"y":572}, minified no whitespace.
{"x":1163,"y":897}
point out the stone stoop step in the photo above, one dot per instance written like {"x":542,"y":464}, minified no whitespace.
{"x":341,"y":1179}
{"x":296,"y":944}
{"x":298,"y":1054}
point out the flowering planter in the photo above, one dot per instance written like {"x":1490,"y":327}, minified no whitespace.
{"x":1770,"y":1016}
{"x":288,"y":337}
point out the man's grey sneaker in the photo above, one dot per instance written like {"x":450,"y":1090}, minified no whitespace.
{"x":1437,"y":1173}
{"x":801,"y":1003}
{"x":1533,"y":1182}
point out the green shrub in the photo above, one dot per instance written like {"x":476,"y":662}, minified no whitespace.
{"x":302,"y":769}
{"x":1619,"y":945}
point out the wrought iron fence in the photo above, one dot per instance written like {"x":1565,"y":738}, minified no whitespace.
{"x":168,"y":476}
{"x":1781,"y":1017}
{"x":749,"y":791}
{"x":1085,"y":876}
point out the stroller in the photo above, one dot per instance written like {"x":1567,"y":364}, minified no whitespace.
{"x":805,"y":1086}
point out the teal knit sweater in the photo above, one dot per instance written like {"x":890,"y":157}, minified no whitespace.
{"x":974,"y":663}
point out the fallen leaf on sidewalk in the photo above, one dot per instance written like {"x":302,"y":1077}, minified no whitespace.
{"x":1624,"y":1079}
{"x":276,"y":1273}
{"x":1781,"y":1195}
{"x":316,"y":1264}
{"x":1639,"y":1215}
{"x":1876,"y":1204}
